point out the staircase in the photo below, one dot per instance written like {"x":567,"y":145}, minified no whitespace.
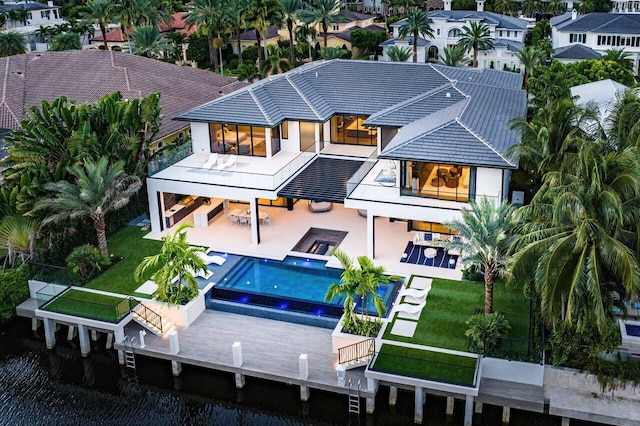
{"x":148,"y":318}
{"x":357,"y":355}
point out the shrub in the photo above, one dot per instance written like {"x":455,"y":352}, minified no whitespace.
{"x":14,"y":289}
{"x":361,"y":327}
{"x":472,"y":273}
{"x":233,"y":64}
{"x":482,"y":327}
{"x":250,"y":53}
{"x":85,"y":262}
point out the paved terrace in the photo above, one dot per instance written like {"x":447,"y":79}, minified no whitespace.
{"x":270,"y":349}
{"x":288,"y":227}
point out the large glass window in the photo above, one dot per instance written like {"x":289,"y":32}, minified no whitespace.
{"x":241,"y":140}
{"x":441,"y":181}
{"x":348,"y":129}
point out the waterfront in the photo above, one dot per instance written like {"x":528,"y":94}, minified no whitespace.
{"x":59,"y":387}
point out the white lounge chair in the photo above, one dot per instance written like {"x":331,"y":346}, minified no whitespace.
{"x":229,"y":164}
{"x":202,"y":273}
{"x":408,"y":311}
{"x":414,"y":295}
{"x":421,"y":283}
{"x":211,"y":161}
{"x":218,"y":260}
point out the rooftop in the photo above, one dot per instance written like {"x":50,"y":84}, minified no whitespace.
{"x":490,"y":18}
{"x":605,"y":23}
{"x":575,"y":51}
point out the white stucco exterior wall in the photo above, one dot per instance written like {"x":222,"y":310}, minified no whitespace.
{"x":200,"y":138}
{"x":489,"y":182}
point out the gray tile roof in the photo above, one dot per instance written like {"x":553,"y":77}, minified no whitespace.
{"x":603,"y":23}
{"x":272,"y":31}
{"x":575,"y":51}
{"x":84,"y":76}
{"x":408,"y":39}
{"x":30,"y":6}
{"x":415,"y":97}
{"x":511,"y":45}
{"x":502,"y":21}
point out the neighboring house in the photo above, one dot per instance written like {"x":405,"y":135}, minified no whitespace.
{"x":116,"y":40}
{"x":599,"y":32}
{"x":625,"y":6}
{"x":249,"y":38}
{"x":343,"y":38}
{"x":85,"y":76}
{"x":402,"y":141}
{"x":602,"y":94}
{"x":507,"y":33}
{"x":574,"y":53}
{"x":37,"y":15}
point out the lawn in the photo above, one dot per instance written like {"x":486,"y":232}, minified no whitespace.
{"x":451,"y":303}
{"x":129,"y":244}
{"x":425,"y":364}
{"x":90,"y":305}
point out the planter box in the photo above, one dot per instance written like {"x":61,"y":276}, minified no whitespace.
{"x":181,"y":315}
{"x":340,"y":339}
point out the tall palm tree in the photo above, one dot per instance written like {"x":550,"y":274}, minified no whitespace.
{"x":556,"y":7}
{"x":323,"y":13}
{"x":148,"y":42}
{"x":399,"y":53}
{"x":236,"y":18}
{"x":66,"y":41}
{"x":174,"y":267}
{"x":128,"y":12}
{"x":417,"y":24}
{"x":484,"y":229}
{"x":454,"y":56}
{"x":530,"y":7}
{"x":290,"y":11}
{"x":474,"y":37}
{"x":578,"y":238}
{"x":623,"y":122}
{"x":361,"y":281}
{"x":306,"y":34}
{"x":620,"y":56}
{"x":530,"y":58}
{"x":209,"y":16}
{"x":18,"y":235}
{"x":262,"y":14}
{"x":505,"y":7}
{"x":12,"y":43}
{"x":275,"y":62}
{"x":100,"y":12}
{"x":97,"y":189}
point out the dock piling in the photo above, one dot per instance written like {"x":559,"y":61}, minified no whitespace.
{"x":419,"y":408}
{"x":303,"y":365}
{"x":393,"y":396}
{"x":468,"y":411}
{"x":49,"y":333}
{"x":35,"y":323}
{"x":236,"y":349}
{"x":450,"y":405}
{"x":566,"y":421}
{"x":85,"y":344}
{"x":71,"y":333}
{"x":506,"y":415}
{"x":94,"y":335}
{"x":478,"y":407}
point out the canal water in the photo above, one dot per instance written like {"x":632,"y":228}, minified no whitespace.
{"x":59,"y":387}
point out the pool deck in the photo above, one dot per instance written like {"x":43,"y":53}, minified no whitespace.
{"x":270,"y":350}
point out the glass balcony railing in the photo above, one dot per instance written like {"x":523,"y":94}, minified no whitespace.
{"x":169,"y":158}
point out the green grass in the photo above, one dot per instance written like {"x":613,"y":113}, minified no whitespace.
{"x":424,"y":364}
{"x":129,"y":244}
{"x":89,"y":305}
{"x":451,"y":303}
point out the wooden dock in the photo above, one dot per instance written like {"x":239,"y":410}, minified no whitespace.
{"x":270,"y":350}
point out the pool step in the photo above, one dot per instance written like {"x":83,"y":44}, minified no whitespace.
{"x":240,"y":268}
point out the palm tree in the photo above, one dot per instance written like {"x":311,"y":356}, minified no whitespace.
{"x":66,"y":41}
{"x":97,"y":189}
{"x":586,"y":6}
{"x":174,"y":267}
{"x":485,"y":241}
{"x":209,"y":17}
{"x":623,"y":122}
{"x":306,"y":34}
{"x":417,"y":24}
{"x":100,"y":12}
{"x":236,"y":17}
{"x":275,"y":62}
{"x":128,"y":12}
{"x":248,"y":72}
{"x":474,"y":37}
{"x":329,"y":53}
{"x":148,"y":42}
{"x":505,"y":7}
{"x":362,"y":281}
{"x":399,"y":53}
{"x":556,"y":7}
{"x":620,"y":56}
{"x":12,"y":43}
{"x":530,"y":58}
{"x":530,"y":7}
{"x":290,"y":11}
{"x":578,"y":238}
{"x":262,"y":14}
{"x":323,"y":13}
{"x":18,"y":235}
{"x":454,"y":56}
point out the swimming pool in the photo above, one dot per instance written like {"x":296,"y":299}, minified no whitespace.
{"x":296,"y":285}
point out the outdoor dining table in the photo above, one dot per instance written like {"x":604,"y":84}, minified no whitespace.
{"x":245,"y":215}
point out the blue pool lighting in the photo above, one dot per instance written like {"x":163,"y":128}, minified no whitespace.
{"x":244,"y":299}
{"x":283,"y":306}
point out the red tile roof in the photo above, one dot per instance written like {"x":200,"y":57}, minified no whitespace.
{"x":87,"y":75}
{"x":113,"y":36}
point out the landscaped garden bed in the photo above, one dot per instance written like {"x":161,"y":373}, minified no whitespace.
{"x":425,"y":364}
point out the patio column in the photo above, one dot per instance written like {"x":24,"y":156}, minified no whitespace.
{"x":255,"y":222}
{"x":316,"y":129}
{"x":371,"y":235}
{"x":267,"y":141}
{"x":154,"y":210}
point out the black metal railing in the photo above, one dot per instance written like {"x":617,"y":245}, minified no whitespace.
{"x":357,"y":351}
{"x":508,"y":348}
{"x":146,"y":313}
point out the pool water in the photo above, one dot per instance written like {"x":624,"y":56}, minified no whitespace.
{"x":633,"y":330}
{"x":295,"y":283}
